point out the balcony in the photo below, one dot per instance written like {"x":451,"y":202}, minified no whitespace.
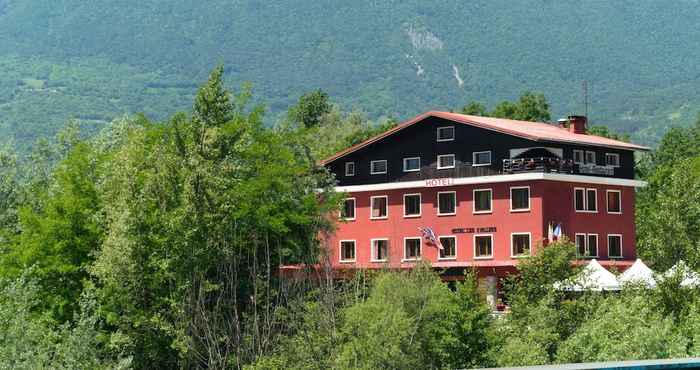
{"x":538,"y":164}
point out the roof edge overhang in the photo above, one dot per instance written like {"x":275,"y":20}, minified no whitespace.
{"x":529,"y":176}
{"x":443,"y":115}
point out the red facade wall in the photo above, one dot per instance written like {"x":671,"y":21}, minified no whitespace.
{"x":550,"y":201}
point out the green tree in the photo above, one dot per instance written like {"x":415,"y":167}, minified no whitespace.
{"x":60,"y":236}
{"x":668,"y":214}
{"x":31,"y":340}
{"x":529,"y":107}
{"x":310,"y":108}
{"x":200,"y":212}
{"x":474,"y":109}
{"x":412,"y":320}
{"x":623,"y":328}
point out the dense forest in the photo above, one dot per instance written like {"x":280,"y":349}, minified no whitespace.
{"x":96,"y":61}
{"x":156,"y":243}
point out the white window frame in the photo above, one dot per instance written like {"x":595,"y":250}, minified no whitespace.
{"x":451,"y":257}
{"x":585,"y":200}
{"x":587,"y":246}
{"x":585,"y":243}
{"x":420,"y":248}
{"x":529,"y":245}
{"x":371,"y":207}
{"x":405,"y":160}
{"x":340,"y":250}
{"x":616,"y":155}
{"x":454,"y":193}
{"x":529,"y":199}
{"x":420,"y":205}
{"x":354,"y":209}
{"x":483,"y":257}
{"x":608,"y":241}
{"x":371,"y":167}
{"x":454,"y":161}
{"x":348,"y":165}
{"x":596,"y":200}
{"x":474,"y":164}
{"x":583,"y":156}
{"x":454,"y":133}
{"x":474,"y":211}
{"x":597,"y":245}
{"x":619,"y":200}
{"x":374,"y":251}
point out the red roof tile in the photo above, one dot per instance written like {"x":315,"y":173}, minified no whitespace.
{"x":536,"y":131}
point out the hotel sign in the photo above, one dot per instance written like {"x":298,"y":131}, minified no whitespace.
{"x":446,"y":181}
{"x":472,"y":230}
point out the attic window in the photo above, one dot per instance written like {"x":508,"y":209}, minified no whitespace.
{"x":446,"y":133}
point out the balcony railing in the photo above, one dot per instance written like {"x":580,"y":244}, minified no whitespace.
{"x":539,"y":164}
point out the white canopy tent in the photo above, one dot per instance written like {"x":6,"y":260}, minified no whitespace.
{"x":593,"y":277}
{"x":638,"y":273}
{"x":690,"y":277}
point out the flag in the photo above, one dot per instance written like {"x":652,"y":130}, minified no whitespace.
{"x":557,"y":231}
{"x":429,"y":235}
{"x":550,"y":233}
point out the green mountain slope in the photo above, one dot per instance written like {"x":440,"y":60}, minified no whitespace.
{"x":98,"y":59}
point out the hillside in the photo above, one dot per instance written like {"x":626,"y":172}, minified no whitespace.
{"x":96,"y":60}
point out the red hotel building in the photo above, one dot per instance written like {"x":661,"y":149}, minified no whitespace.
{"x":489,"y":188}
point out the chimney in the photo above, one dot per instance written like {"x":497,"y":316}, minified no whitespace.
{"x":577,"y":124}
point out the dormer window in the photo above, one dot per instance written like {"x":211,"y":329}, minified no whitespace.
{"x":378,"y":167}
{"x":411,"y":164}
{"x":612,"y":159}
{"x":349,"y":168}
{"x":446,"y":133}
{"x":481,"y":158}
{"x":445,"y":161}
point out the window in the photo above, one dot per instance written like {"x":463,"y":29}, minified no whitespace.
{"x":614,"y":201}
{"x":581,"y":244}
{"x":587,"y":245}
{"x":411,"y":249}
{"x":520,"y":244}
{"x":520,"y":199}
{"x":614,"y":246}
{"x":411,"y":205}
{"x":446,"y":133}
{"x":591,"y":200}
{"x":481,"y":158}
{"x":445,"y":161}
{"x":347,"y":251}
{"x":349,"y":168}
{"x":585,"y":200}
{"x":593,"y":245}
{"x":578,"y":156}
{"x":380,"y":250}
{"x":379,"y":206}
{"x":449,"y":247}
{"x":378,"y":167}
{"x":590,"y":157}
{"x":580,"y":199}
{"x":482,"y":200}
{"x":612,"y":159}
{"x":348,"y":210}
{"x":447,"y":203}
{"x":411,"y":164}
{"x":483,"y":246}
